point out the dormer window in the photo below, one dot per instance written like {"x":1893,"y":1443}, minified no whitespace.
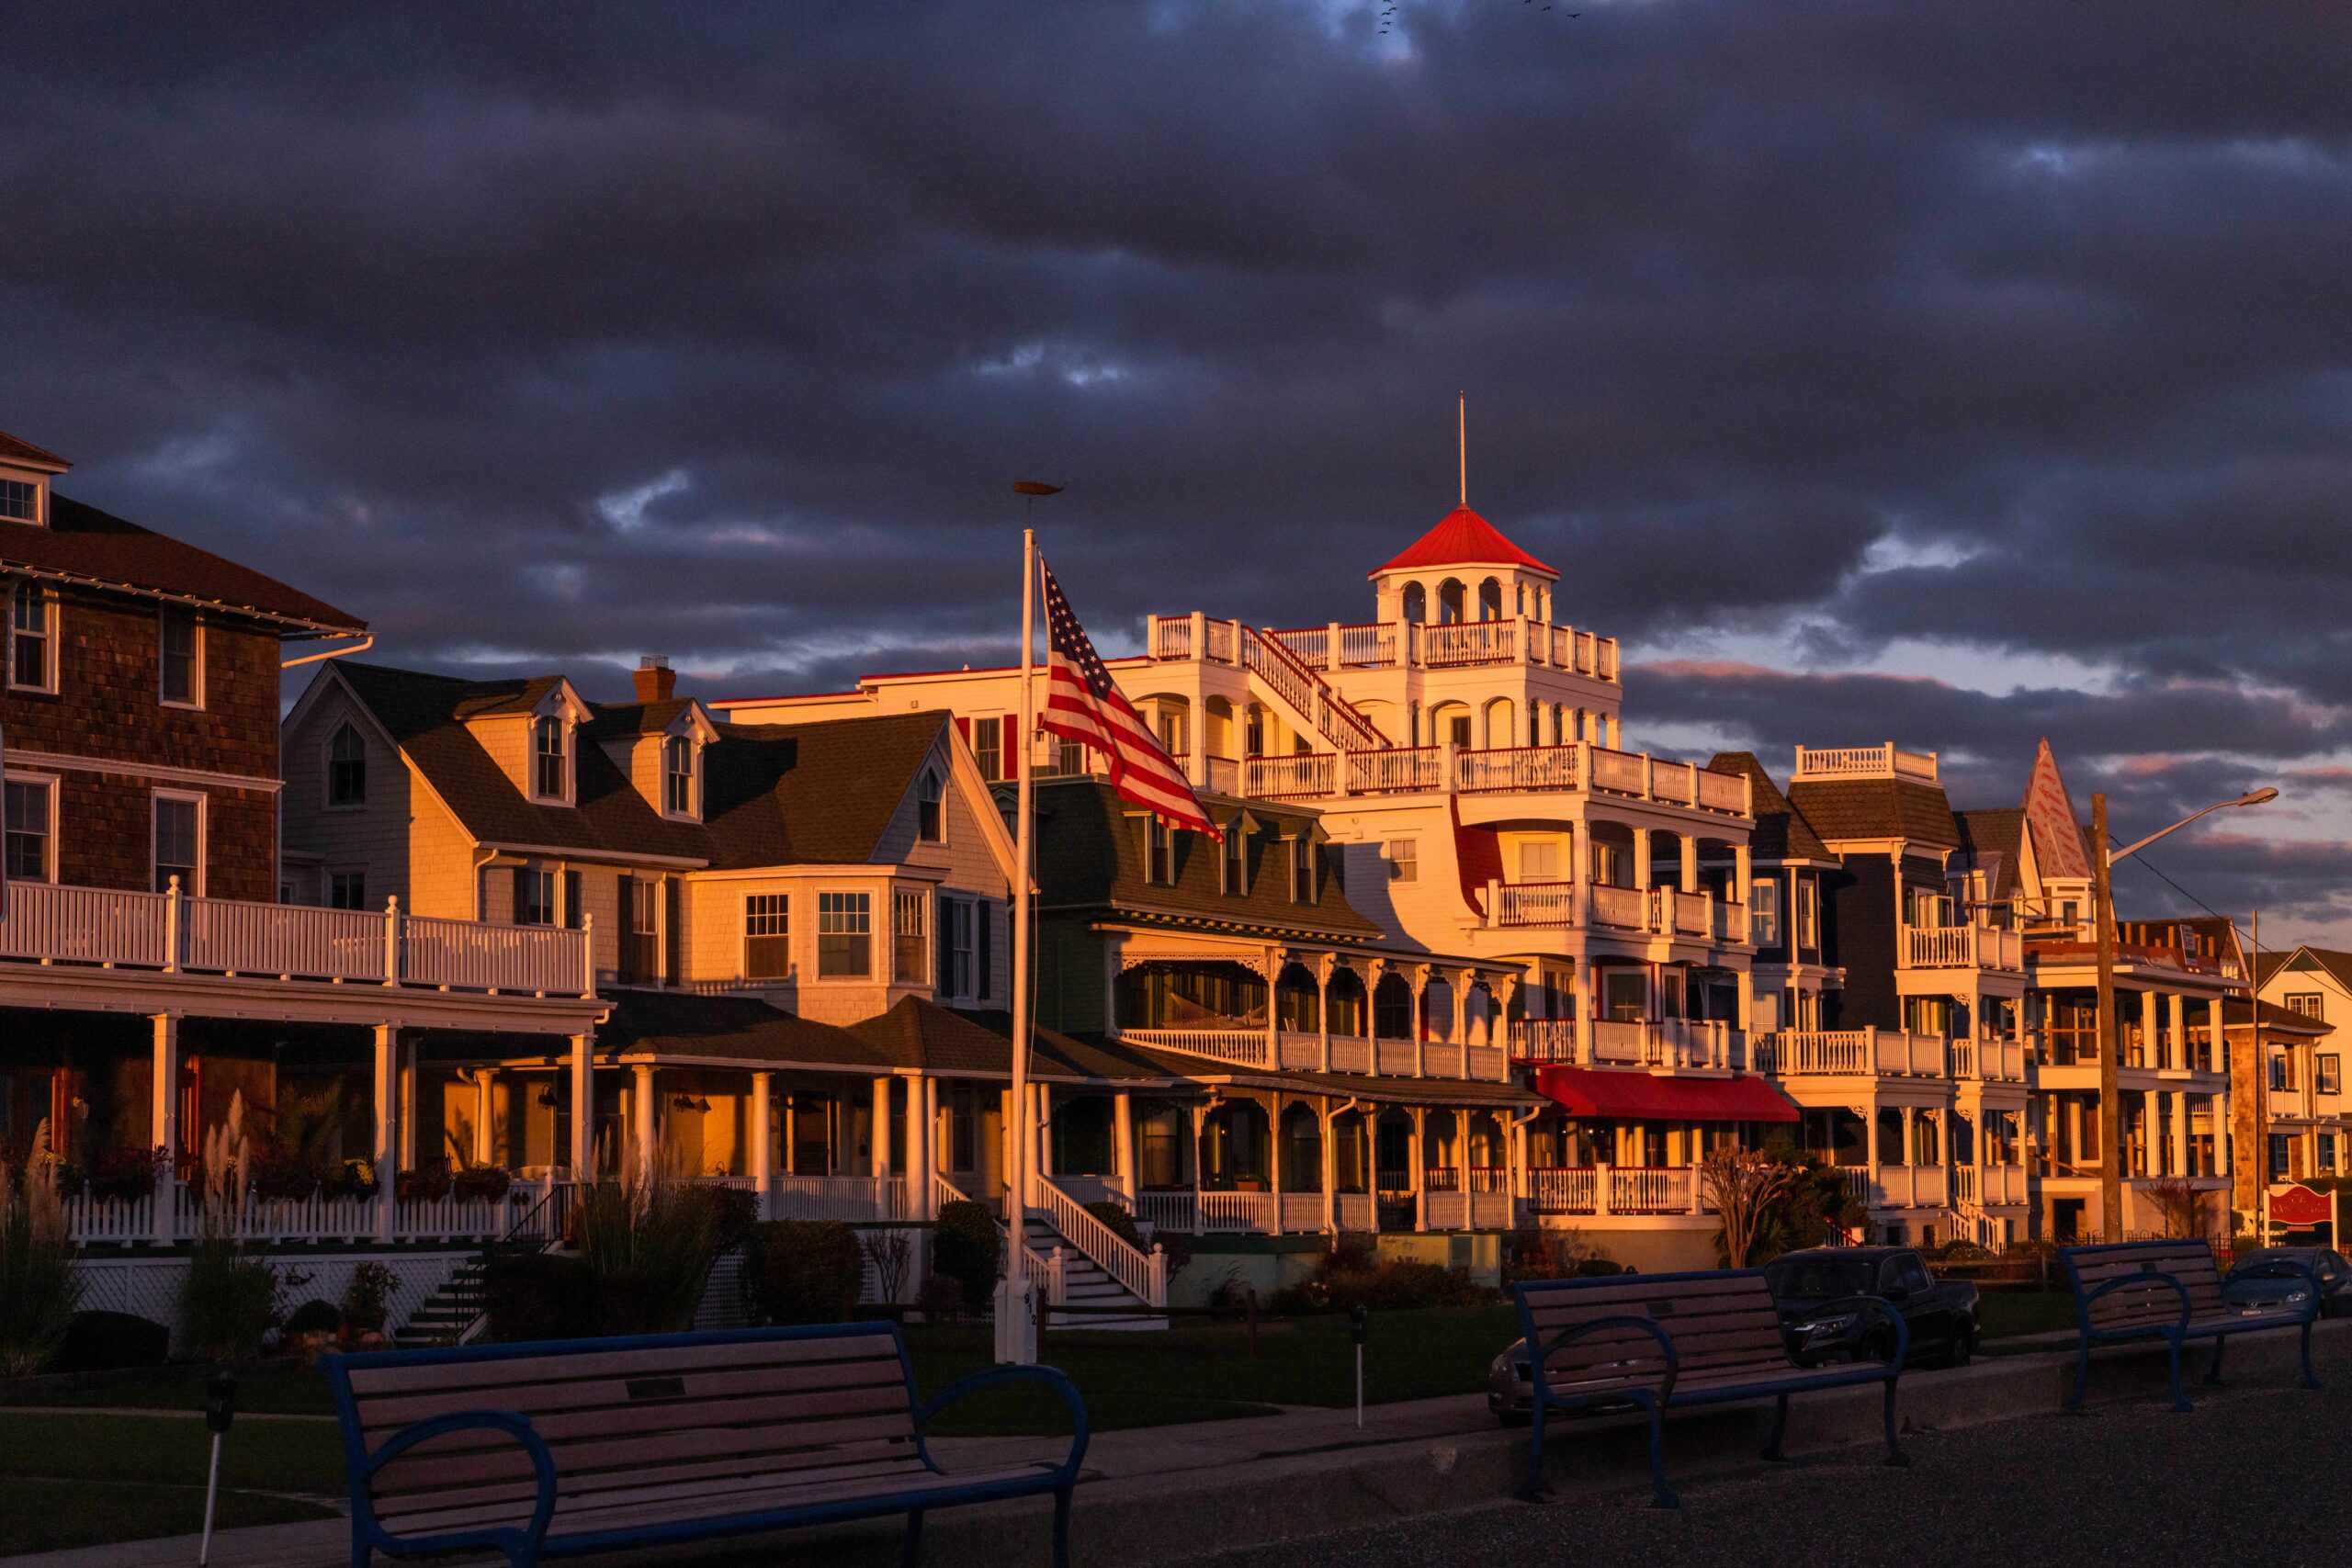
{"x":550,"y":759}
{"x":680,"y":797}
{"x":1235,"y":860}
{"x":19,"y":501}
{"x":346,"y":768}
{"x":1301,"y":870}
{"x":930,"y":812}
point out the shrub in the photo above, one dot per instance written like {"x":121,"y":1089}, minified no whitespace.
{"x":40,"y":1281}
{"x":313,"y":1316}
{"x":110,"y":1341}
{"x":228,"y":1300}
{"x":354,"y":1178}
{"x":892,"y":1252}
{"x":965,"y":1247}
{"x":1353,"y":1274}
{"x":540,"y":1295}
{"x":733,"y":1212}
{"x":282,"y":1173}
{"x":1531,"y":1252}
{"x":123,"y":1172}
{"x":940,"y":1298}
{"x":429,"y":1182}
{"x":1119,"y":1222}
{"x":365,"y":1298}
{"x":649,"y":1244}
{"x":802,"y":1271}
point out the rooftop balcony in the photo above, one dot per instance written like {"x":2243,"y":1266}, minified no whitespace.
{"x":1887,"y":761}
{"x":1578,"y":768}
{"x":1658,"y":912}
{"x":1416,"y":645}
{"x":1963,"y":947}
{"x":173,"y":933}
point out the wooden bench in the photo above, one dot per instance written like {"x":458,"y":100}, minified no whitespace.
{"x":596,"y":1445}
{"x":2169,"y":1290}
{"x":1664,"y":1341}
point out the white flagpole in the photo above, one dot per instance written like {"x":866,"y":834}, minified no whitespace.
{"x":1016,"y":1323}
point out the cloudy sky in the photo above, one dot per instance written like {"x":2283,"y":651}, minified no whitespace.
{"x":1950,"y":373}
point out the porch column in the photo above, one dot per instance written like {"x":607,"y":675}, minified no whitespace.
{"x":1458,"y":984}
{"x":930,"y":1156}
{"x":2152,"y":1153}
{"x":387,"y":1106}
{"x":583,"y":1108}
{"x":1323,"y":995}
{"x":1005,"y":1144}
{"x":1743,"y":874}
{"x":763,"y":1136}
{"x":2149,"y":1018}
{"x":164,"y":1124}
{"x":1421,"y":1171}
{"x":1123,"y":1143}
{"x":1420,"y":1022}
{"x":1274,"y":1161}
{"x":1747,"y":992}
{"x":916,"y":1154}
{"x":878,"y":1141}
{"x":1331,"y":1167}
{"x":2180,"y":1135}
{"x":408,"y":1103}
{"x":1642,"y":858}
{"x":2220,"y":1047}
{"x":2218,"y":1114}
{"x":1041,"y":1153}
{"x":1200,"y":1123}
{"x":791,"y":1133}
{"x":485,"y":1108}
{"x":1690,"y":863}
{"x":2178,"y":1029}
{"x":643,"y":1117}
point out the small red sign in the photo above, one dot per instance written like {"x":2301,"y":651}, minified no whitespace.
{"x":2299,"y":1205}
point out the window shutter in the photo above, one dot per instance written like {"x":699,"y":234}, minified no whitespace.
{"x":623,"y":923}
{"x":1013,"y":746}
{"x":573,"y":890}
{"x":514,"y":910}
{"x":674,"y":928}
{"x":964,"y":729}
{"x":943,"y":969}
{"x":983,"y":924}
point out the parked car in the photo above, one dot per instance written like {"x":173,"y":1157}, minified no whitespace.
{"x":2269,"y":1277}
{"x":1820,"y":1322}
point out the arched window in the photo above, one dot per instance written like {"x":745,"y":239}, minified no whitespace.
{"x":1490,"y":600}
{"x":930,"y":818}
{"x":1392,"y":1008}
{"x":1416,"y":602}
{"x":1450,"y":602}
{"x":678,"y":793}
{"x":346,"y":768}
{"x":1253,"y":732}
{"x":550,"y":759}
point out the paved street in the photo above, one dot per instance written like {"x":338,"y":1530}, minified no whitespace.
{"x":2125,"y":1484}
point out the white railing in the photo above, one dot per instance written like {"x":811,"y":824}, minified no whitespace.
{"x":1368,"y":646}
{"x":1301,"y":1211}
{"x":1222,"y":774}
{"x":1247,"y":1047}
{"x":1962,"y":947}
{"x":1621,"y":773}
{"x":1723,"y":791}
{"x":1624,"y":906}
{"x":1333,"y":717}
{"x":1490,"y":1211}
{"x":319,"y":1217}
{"x":1299,"y":1051}
{"x":1535,"y":904}
{"x":1487,"y":1064}
{"x":1634,"y":1189}
{"x":1445,"y":1210}
{"x":124,"y":1220}
{"x":1798,"y":1053}
{"x":1393,"y":643}
{"x":1350,"y":1054}
{"x":1566,"y":1189}
{"x":1887,"y":761}
{"x":848,"y":1198}
{"x":1142,"y":1275}
{"x":1395,"y":1059}
{"x":1675,"y":781}
{"x":174,"y":932}
{"x":1401,"y":770}
{"x":1694,"y":914}
{"x":1355,"y":1211}
{"x":1515,"y":768}
{"x":1281,"y":778}
{"x":1469,"y":642}
{"x":1912,"y":1056}
{"x":1443,"y":1059}
{"x":1620,"y":1039}
{"x":1544,"y":1039}
{"x":1206,"y":1212}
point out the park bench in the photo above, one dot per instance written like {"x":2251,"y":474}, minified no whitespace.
{"x":1666,"y":1341}
{"x":2169,"y":1290}
{"x":597,"y":1444}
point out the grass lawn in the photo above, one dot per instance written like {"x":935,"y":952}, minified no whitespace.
{"x":2025,"y":1312}
{"x":275,"y":1455}
{"x":276,"y":1388}
{"x":48,"y":1516}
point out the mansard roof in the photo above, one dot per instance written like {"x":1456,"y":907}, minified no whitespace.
{"x":1461,"y":537}
{"x":1781,"y":832}
{"x":1845,"y":810}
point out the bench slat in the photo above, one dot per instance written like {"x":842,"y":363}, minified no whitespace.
{"x":443,"y":1512}
{"x":812,"y":1443}
{"x":874,"y":1455}
{"x":764,"y":1411}
{"x":580,"y":1365}
{"x":554,"y":1403}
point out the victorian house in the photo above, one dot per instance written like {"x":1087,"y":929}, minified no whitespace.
{"x":2286,"y":1071}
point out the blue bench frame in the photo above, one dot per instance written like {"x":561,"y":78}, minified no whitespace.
{"x":1656,"y":1401}
{"x":2178,"y":1333}
{"x":530,"y":1543}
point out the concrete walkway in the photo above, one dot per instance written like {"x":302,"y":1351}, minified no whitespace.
{"x":1164,"y":1494}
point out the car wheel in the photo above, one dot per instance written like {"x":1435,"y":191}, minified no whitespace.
{"x":1963,"y":1349}
{"x":1879,"y":1346}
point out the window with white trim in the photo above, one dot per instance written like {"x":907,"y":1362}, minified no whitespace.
{"x":988,"y":747}
{"x":19,"y":501}
{"x":844,"y":935}
{"x":180,"y":657}
{"x":347,"y":890}
{"x":2306,"y":1003}
{"x":32,"y":638}
{"x":931,"y":824}
{"x":955,"y":947}
{"x":1404,"y":858}
{"x":909,"y":936}
{"x":1808,"y":912}
{"x":550,"y":758}
{"x":680,"y":797}
{"x":535,"y":895}
{"x":178,"y":841}
{"x":1764,"y":911}
{"x":767,"y":936}
{"x":2328,"y":1070}
{"x":1301,"y":870}
{"x":1539,"y":860}
{"x":1233,"y":861}
{"x":346,"y":768}
{"x":29,"y":813}
{"x":1159,"y":856}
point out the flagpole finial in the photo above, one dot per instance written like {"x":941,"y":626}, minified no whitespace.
{"x":1462,"y":416}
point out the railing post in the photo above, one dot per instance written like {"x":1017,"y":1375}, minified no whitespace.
{"x":1445,"y":767}
{"x":588,"y":954}
{"x":1199,"y":631}
{"x":1600,"y":1204}
{"x":1331,"y":649}
{"x":392,"y":940}
{"x":1494,"y":902}
{"x":1525,"y":653}
{"x":173,"y":923}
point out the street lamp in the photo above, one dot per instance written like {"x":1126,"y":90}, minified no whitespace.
{"x":2110,"y":1105}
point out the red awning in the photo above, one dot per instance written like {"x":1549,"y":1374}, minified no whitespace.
{"x":1639,"y":1097}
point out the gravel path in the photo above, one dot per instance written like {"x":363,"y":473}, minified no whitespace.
{"x":2255,"y":1472}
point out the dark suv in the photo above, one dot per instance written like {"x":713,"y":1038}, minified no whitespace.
{"x":1820,"y":1322}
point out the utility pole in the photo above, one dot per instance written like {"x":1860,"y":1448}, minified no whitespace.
{"x":2111,"y":1049}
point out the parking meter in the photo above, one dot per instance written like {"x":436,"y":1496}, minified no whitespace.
{"x":220,"y":1409}
{"x":1359,"y":1330}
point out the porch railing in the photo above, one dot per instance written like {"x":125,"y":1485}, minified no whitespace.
{"x":1144,"y":1275}
{"x":1962,"y":947}
{"x":171,"y":932}
{"x":1886,"y":1053}
{"x":848,"y":1198}
{"x":1615,"y":1189}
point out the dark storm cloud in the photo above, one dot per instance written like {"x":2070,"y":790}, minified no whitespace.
{"x":542,"y":337}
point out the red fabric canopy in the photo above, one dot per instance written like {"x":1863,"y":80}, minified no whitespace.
{"x":1639,"y":1097}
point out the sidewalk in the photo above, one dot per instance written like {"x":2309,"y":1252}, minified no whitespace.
{"x":1161,"y":1494}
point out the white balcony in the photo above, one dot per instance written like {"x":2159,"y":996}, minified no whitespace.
{"x":1395,"y":644}
{"x":1963,"y":947}
{"x":1997,"y":1060}
{"x":1286,"y":1050}
{"x":1576,"y":768}
{"x":1658,"y":912}
{"x":1616,"y":1189}
{"x":1628,"y":1043}
{"x":1887,"y":761}
{"x":1850,"y":1052}
{"x":173,"y":933}
{"x":1991,"y":1186}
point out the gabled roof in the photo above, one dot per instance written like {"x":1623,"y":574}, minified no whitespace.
{"x":820,"y":794}
{"x":1781,"y":831}
{"x":1992,"y":841}
{"x":85,"y":544}
{"x":2237,"y":1011}
{"x":1090,"y":857}
{"x":727,"y":1029}
{"x":1842,"y":811}
{"x":2337,"y":966}
{"x":917,"y":1034}
{"x":14,"y":448}
{"x":1461,"y":537}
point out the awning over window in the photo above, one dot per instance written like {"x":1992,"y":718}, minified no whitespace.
{"x":1639,"y":1097}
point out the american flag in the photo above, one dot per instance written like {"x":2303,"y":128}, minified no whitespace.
{"x":1082,"y":704}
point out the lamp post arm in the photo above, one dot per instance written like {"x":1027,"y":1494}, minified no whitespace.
{"x":2135,"y":848}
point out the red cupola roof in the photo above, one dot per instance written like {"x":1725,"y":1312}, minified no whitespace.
{"x":1463,"y":538}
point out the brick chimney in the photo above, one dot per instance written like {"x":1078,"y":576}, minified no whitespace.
{"x":655,"y":680}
